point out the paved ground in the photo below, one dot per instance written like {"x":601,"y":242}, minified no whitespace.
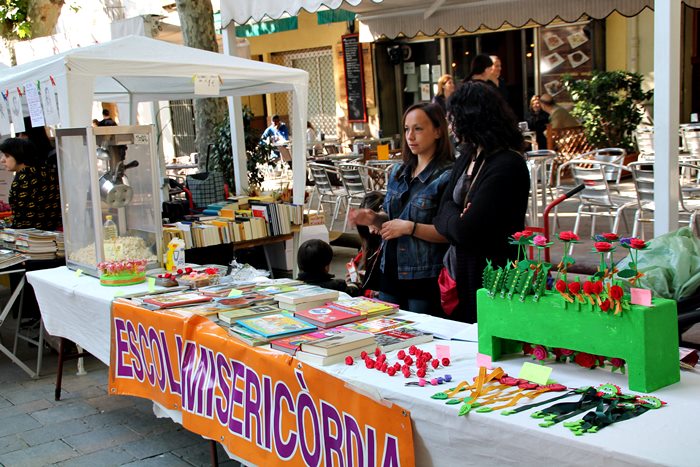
{"x":88,"y":427}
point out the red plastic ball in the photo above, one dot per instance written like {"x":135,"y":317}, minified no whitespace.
{"x":391,"y":371}
{"x":349,"y":360}
{"x":377,"y":352}
{"x":363,"y":355}
{"x":401,"y":355}
{"x":445,"y":361}
{"x":421,"y":373}
{"x":435,"y":363}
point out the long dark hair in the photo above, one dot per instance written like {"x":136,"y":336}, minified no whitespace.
{"x":479,"y":65}
{"x":480,"y":117}
{"x":443,"y":148}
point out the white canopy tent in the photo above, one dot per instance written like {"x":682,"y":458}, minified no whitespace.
{"x":136,"y":69}
{"x":406,"y":18}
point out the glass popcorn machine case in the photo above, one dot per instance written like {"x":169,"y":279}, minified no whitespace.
{"x":109,"y":173}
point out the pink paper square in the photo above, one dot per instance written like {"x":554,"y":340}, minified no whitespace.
{"x":641,"y":296}
{"x":442,"y":351}
{"x":483,"y":360}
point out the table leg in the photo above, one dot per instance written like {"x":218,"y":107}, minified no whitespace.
{"x":214,"y":454}
{"x":59,"y":371}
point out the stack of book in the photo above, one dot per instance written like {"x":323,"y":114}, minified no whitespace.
{"x":60,"y":245}
{"x":7,"y":238}
{"x":368,"y":307}
{"x":268,"y":327}
{"x":10,"y":258}
{"x":37,"y":244}
{"x":245,"y":300}
{"x":231,"y":316}
{"x":172,"y":299}
{"x":305,"y":297}
{"x":326,"y":347}
{"x":392,"y":333}
{"x":328,"y":316}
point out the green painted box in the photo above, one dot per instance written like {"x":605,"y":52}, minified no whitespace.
{"x":647,"y":338}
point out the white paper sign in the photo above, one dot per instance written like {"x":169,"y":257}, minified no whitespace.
{"x":36,"y":114}
{"x":4,"y":118}
{"x":16,"y":110}
{"x":49,"y":102}
{"x":425,"y":91}
{"x":206,"y":85}
{"x":409,"y":68}
{"x":437,"y":72}
{"x":425,"y":72}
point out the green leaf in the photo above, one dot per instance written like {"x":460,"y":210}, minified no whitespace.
{"x":465,"y":409}
{"x":626,"y":273}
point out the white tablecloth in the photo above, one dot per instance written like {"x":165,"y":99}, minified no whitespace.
{"x":78,"y":309}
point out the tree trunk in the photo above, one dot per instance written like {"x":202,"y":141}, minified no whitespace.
{"x":43,"y":15}
{"x":197,"y":23}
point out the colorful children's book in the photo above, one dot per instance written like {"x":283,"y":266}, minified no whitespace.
{"x":245,"y":300}
{"x":247,"y":336}
{"x":231,"y":316}
{"x":328,"y":316}
{"x":401,"y":338}
{"x":301,"y":306}
{"x":276,"y":325}
{"x":307,"y":294}
{"x":176,"y":299}
{"x":368,"y":306}
{"x":379,"y":325}
{"x":320,"y":360}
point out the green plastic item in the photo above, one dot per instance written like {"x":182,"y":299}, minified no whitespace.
{"x":647,"y":338}
{"x":671,"y":265}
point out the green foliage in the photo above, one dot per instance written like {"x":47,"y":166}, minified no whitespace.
{"x":14,"y":23}
{"x":609,"y":106}
{"x":256,"y":152}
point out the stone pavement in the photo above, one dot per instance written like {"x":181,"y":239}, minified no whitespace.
{"x":87,"y":427}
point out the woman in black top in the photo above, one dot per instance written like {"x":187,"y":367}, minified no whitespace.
{"x":537,"y":121}
{"x":35,"y":195}
{"x":486,"y":198}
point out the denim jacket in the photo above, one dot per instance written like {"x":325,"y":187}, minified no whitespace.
{"x":417,"y":259}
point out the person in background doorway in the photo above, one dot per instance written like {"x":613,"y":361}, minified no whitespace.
{"x":496,"y":76}
{"x":486,"y":198}
{"x":481,"y":69}
{"x":412,"y":250}
{"x":275,"y":133}
{"x":445,"y":88}
{"x":314,"y":260}
{"x":537,"y":120}
{"x":559,"y":117}
{"x":34,"y":194}
{"x":106,"y":119}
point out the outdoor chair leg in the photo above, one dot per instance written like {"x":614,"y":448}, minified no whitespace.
{"x":635,"y":228}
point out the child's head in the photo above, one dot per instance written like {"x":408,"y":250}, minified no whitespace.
{"x":314,"y":256}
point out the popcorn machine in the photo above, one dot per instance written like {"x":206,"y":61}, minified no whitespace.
{"x":110,"y":171}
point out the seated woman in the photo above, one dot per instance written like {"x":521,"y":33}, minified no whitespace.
{"x":35,"y":196}
{"x":486,"y":198}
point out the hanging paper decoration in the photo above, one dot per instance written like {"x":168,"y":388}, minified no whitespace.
{"x":36,"y":113}
{"x":15,"y":103}
{"x":5,"y":128}
{"x":49,"y":101}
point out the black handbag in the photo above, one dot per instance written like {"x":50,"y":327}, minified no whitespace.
{"x":206,"y":187}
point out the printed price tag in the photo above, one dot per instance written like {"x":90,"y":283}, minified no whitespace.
{"x":483,"y":360}
{"x":536,"y":373}
{"x":151,"y":284}
{"x":207,"y":85}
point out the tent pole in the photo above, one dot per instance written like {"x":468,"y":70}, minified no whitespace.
{"x":235,"y":115}
{"x":667,"y":44}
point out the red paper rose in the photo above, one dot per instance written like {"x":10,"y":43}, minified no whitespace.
{"x":602,"y":247}
{"x":616,"y":292}
{"x":585,"y":360}
{"x":560,"y":286}
{"x":617,"y":362}
{"x":598,"y":287}
{"x":588,"y":288}
{"x":611,"y":237}
{"x":568,"y":236}
{"x":527,"y":349}
{"x":638,"y":243}
{"x":527,"y":233}
{"x":575,"y":287}
{"x":605,"y":304}
{"x":567,"y":352}
{"x":540,"y":240}
{"x":540,"y":353}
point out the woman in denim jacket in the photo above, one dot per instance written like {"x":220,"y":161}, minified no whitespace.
{"x":412,"y":250}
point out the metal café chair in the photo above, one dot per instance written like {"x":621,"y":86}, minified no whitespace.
{"x":596,"y":200}
{"x":325,"y":190}
{"x":354,"y":181}
{"x":539,"y":162}
{"x":688,"y":206}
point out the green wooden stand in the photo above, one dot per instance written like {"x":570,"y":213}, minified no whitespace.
{"x":647,"y":338}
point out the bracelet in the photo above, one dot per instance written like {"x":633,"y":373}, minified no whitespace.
{"x":414,"y":228}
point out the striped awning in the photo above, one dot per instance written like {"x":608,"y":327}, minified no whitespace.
{"x":395,"y":18}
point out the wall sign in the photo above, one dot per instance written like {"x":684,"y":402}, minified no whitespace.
{"x":354,"y":78}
